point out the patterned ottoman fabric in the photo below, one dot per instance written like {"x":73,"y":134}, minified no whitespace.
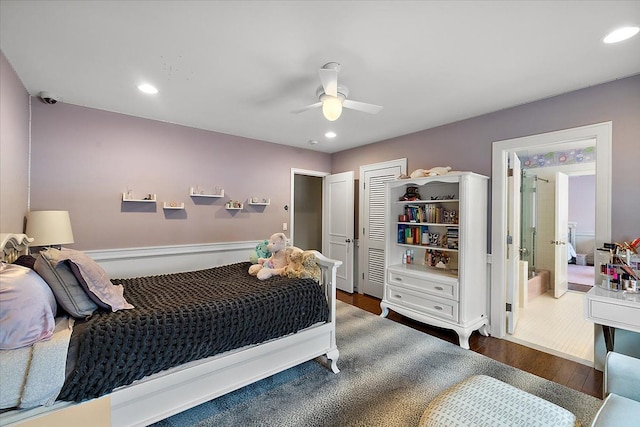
{"x":485,"y":401}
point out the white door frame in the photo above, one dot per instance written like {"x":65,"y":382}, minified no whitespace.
{"x":514,"y":185}
{"x":602,"y":133}
{"x":560,"y":234}
{"x":306,"y":172}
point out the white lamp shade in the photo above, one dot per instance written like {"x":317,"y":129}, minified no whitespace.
{"x":49,"y":228}
{"x":331,"y":107}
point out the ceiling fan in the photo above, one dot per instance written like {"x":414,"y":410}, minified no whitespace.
{"x":333,"y":96}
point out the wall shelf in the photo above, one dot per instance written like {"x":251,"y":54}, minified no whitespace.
{"x":195,"y":193}
{"x":151,"y":198}
{"x":173,"y":205}
{"x":257,"y":201}
{"x":234,"y":205}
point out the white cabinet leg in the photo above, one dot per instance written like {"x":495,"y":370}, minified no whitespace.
{"x":385,"y":310}
{"x":484,"y":330}
{"x":463,"y":336}
{"x":333,"y":356}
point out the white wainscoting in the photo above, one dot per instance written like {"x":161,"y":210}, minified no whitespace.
{"x":135,"y":262}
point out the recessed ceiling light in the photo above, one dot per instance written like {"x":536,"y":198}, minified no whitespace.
{"x":313,"y":141}
{"x":621,"y":34}
{"x":147,"y":88}
{"x":330,"y":134}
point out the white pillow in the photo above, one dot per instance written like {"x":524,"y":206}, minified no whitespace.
{"x":27,"y":307}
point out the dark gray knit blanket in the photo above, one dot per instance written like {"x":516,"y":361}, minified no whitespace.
{"x":183,"y":317}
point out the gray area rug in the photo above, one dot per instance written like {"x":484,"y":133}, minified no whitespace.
{"x":389,"y":373}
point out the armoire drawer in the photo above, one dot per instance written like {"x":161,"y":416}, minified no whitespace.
{"x":428,"y":304}
{"x":445,"y":288}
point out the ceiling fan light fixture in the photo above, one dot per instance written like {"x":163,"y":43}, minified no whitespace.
{"x":331,"y":107}
{"x":147,"y":88}
{"x":621,"y":34}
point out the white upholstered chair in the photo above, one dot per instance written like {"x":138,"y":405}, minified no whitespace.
{"x":621,"y":407}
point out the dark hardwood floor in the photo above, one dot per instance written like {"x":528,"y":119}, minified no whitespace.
{"x":562,"y":371}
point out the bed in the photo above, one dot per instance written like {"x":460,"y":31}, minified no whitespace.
{"x":145,"y":389}
{"x":571,"y":242}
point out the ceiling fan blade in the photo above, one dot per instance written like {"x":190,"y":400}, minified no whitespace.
{"x":329,"y":79}
{"x":308,"y":107}
{"x":362,"y":106}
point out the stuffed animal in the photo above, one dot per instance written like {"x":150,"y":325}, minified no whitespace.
{"x":260,"y":251}
{"x":303,"y":265}
{"x":275,"y":264}
{"x":311,"y":267}
{"x":294,"y":262}
{"x":438,"y":170}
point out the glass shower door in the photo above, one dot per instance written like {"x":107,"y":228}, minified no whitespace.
{"x":528,"y":222}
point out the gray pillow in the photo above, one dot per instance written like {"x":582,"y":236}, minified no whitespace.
{"x":66,"y":288}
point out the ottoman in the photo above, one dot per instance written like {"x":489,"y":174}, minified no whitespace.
{"x":485,"y":401}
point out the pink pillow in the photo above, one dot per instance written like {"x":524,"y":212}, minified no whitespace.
{"x":27,"y":307}
{"x":96,"y":279}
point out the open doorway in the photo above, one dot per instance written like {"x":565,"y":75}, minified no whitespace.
{"x":323,"y":203}
{"x":550,"y":142}
{"x":550,"y":317}
{"x":306,"y":208}
{"x":306,"y":225}
{"x":582,"y":222}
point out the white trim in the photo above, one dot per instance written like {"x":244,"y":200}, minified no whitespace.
{"x":585,"y":234}
{"x":29,"y":157}
{"x":154,"y":251}
{"x":133,"y":262}
{"x":602,"y":133}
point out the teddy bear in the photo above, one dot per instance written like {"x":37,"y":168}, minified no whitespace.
{"x":260,"y":251}
{"x":303,"y":265}
{"x":438,"y":170}
{"x":311,"y":267}
{"x":275,"y":264}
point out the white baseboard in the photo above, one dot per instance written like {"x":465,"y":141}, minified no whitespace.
{"x":135,"y":262}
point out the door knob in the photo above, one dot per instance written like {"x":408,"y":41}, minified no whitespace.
{"x":348,"y":240}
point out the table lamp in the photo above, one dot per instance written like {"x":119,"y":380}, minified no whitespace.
{"x":49,"y":228}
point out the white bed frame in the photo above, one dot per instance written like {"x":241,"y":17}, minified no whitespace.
{"x":175,"y":390}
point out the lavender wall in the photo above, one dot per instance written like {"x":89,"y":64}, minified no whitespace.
{"x":582,"y":199}
{"x":466,"y":145}
{"x":83,"y":159}
{"x":14,"y":149}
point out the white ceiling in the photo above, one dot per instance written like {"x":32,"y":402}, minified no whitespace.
{"x":240,"y":67}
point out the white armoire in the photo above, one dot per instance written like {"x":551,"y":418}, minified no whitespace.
{"x":436,"y":251}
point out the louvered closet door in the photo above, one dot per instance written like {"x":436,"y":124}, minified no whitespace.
{"x":372,"y":223}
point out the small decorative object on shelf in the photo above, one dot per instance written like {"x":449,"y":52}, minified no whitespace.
{"x":128,"y":197}
{"x":234,"y":205}
{"x":173,"y":205}
{"x":198,"y":192}
{"x":620,"y":266}
{"x":411,"y":194}
{"x":259,"y":201}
